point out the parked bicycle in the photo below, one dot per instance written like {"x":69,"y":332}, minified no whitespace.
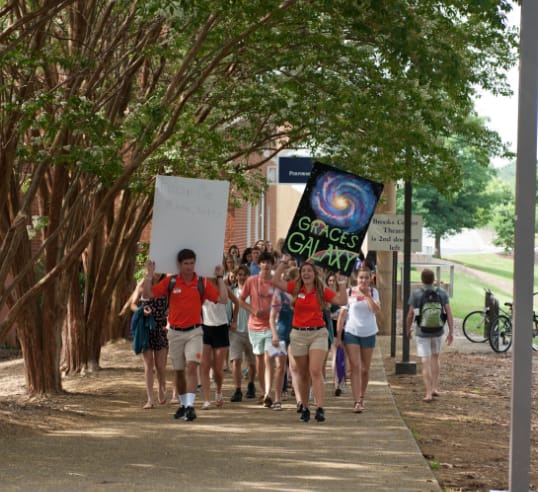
{"x":500,"y":334}
{"x":476,"y":324}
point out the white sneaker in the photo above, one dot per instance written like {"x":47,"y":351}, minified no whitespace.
{"x":206,"y":405}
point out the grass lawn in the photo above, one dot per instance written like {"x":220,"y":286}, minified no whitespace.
{"x":469,"y":292}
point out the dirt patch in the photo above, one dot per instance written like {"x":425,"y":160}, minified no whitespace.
{"x":465,"y":432}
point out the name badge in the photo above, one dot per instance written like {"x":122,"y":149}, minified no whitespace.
{"x":176,"y":291}
{"x":301,"y":296}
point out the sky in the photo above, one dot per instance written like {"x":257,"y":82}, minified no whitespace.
{"x":502,"y":111}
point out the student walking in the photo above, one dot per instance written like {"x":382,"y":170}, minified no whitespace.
{"x":281,"y":322}
{"x":429,"y":339}
{"x":215,"y":347}
{"x":358,"y":323}
{"x":309,"y":339}
{"x":260,"y":290}
{"x":185,"y":321}
{"x":240,"y":345}
{"x":157,"y":351}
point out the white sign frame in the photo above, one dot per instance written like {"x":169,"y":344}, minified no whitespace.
{"x":188,"y":213}
{"x":386,"y":233}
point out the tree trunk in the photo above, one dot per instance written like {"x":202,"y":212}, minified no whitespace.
{"x":108,"y":272}
{"x":384,"y":264}
{"x":437,"y":246}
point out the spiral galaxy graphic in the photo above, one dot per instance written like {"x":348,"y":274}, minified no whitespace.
{"x":343,"y":200}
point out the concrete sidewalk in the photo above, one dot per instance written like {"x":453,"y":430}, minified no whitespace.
{"x":242,"y":446}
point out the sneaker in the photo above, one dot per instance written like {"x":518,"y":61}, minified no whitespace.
{"x":305,"y":415}
{"x":299,"y":407}
{"x":206,"y":405}
{"x":237,"y":396}
{"x":190,"y":414}
{"x":337,"y":391}
{"x":320,"y":415}
{"x":180,"y":412}
{"x":251,"y":391}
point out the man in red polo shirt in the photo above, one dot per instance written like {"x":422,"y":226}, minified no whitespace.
{"x":185,"y":322}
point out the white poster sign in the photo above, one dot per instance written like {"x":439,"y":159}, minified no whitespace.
{"x":188,"y":213}
{"x":386,"y":233}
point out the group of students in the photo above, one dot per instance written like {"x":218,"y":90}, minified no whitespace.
{"x":259,"y":310}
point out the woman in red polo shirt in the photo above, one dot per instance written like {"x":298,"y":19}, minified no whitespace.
{"x":309,"y":339}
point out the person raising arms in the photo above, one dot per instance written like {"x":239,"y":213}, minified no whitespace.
{"x":309,"y":339}
{"x":185,"y":322}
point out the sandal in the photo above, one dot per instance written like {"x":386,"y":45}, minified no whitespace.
{"x":148,"y":406}
{"x":358,"y":408}
{"x":277,"y":406}
{"x":206,"y":405}
{"x":219,"y":401}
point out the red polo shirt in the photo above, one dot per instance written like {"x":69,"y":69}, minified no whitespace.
{"x":307,"y":312}
{"x":185,"y":306}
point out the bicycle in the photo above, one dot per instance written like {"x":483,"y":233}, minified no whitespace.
{"x":476,"y":324}
{"x":500,"y":334}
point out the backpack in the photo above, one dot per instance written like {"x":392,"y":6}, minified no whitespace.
{"x":432,"y":316}
{"x":172,"y":284}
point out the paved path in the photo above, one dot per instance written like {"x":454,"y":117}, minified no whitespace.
{"x":239,"y":447}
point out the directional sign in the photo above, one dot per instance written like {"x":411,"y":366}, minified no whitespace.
{"x":386,"y":233}
{"x":294,"y":169}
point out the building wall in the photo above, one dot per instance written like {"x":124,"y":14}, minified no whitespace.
{"x":268,"y":219}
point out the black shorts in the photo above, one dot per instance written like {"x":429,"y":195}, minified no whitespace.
{"x":216,"y":336}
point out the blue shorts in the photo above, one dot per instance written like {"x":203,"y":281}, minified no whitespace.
{"x":363,"y":342}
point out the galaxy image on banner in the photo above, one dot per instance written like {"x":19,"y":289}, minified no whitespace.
{"x":332,"y":218}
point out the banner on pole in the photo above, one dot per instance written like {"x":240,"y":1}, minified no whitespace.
{"x":332,"y":218}
{"x":188,"y":213}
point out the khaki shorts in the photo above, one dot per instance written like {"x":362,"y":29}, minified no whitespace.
{"x":302,"y":341}
{"x":239,"y":345}
{"x":184,"y":346}
{"x":428,"y":346}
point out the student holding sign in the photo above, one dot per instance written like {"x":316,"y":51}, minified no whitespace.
{"x":309,"y":337}
{"x":185,"y":321}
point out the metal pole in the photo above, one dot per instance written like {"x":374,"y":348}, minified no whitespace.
{"x":405,"y":366}
{"x":520,"y":426}
{"x":394,"y":304}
